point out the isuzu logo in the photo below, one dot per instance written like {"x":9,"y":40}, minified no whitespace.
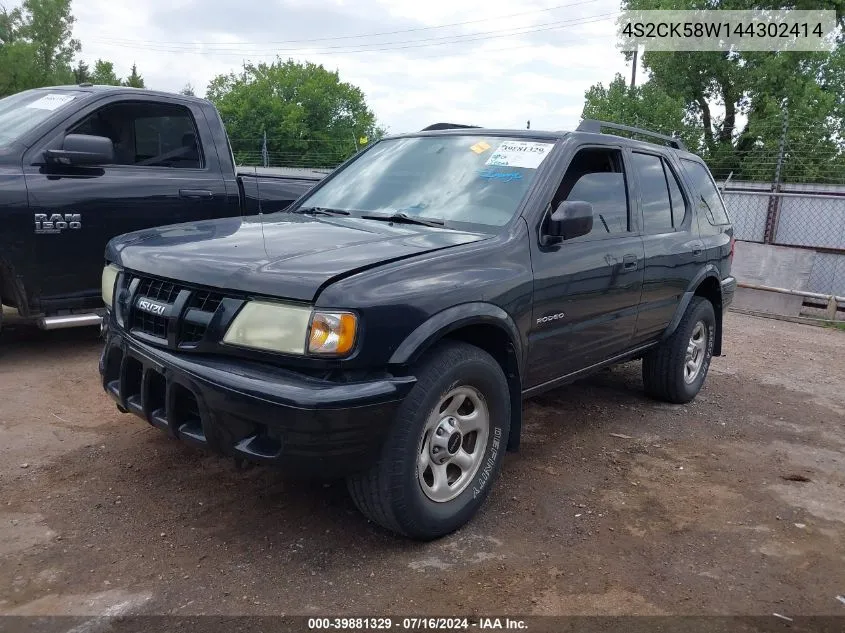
{"x":153,"y":307}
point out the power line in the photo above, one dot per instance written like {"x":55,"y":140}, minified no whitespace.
{"x":382,"y":46}
{"x":414,"y":30}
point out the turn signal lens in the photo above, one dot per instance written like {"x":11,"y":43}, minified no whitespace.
{"x":332,"y":333}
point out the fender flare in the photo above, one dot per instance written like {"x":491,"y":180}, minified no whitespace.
{"x":451,"y":319}
{"x":456,"y":317}
{"x":708,"y":271}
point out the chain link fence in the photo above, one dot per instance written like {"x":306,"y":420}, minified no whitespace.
{"x":809,"y":219}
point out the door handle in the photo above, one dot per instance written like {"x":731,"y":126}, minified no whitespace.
{"x":697,"y":249}
{"x":629,"y":262}
{"x":195,"y":193}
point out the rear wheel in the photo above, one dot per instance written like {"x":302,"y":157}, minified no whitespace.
{"x":444,"y":449}
{"x":675,"y":370}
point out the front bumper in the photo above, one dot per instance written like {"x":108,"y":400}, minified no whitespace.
{"x":253,"y":411}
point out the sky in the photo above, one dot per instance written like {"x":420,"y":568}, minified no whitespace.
{"x":492,"y":63}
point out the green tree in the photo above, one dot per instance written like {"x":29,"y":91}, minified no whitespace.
{"x":104,"y":74}
{"x":81,"y":73}
{"x":311,"y":117}
{"x":134,"y":80}
{"x":36,"y":45}
{"x":736,"y":99}
{"x":646,"y":106}
{"x":188,"y":90}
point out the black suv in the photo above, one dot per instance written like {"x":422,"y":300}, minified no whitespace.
{"x":387,"y":326}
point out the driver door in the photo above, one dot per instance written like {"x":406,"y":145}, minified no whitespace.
{"x":587,"y":289}
{"x":159,"y":177}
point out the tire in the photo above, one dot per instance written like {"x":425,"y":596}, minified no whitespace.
{"x":403,"y":491}
{"x":667,"y":369}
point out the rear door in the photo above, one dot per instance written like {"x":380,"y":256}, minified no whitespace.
{"x":160,"y":175}
{"x":713,"y":221}
{"x":673,"y":249}
{"x":587,"y":289}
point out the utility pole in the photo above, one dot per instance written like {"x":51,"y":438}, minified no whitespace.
{"x":773,"y":211}
{"x":634,"y":68}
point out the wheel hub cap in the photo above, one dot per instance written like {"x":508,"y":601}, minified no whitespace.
{"x":453,"y":444}
{"x":446,"y":440}
{"x":696,"y":352}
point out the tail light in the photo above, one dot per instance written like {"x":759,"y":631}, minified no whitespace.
{"x":733,"y":244}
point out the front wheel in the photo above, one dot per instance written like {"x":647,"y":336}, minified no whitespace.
{"x":675,"y":370}
{"x":445,"y":446}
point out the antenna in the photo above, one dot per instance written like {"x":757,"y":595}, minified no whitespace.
{"x":258,"y":190}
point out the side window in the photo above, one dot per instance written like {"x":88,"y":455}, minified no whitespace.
{"x":147,"y":134}
{"x":654,"y":193}
{"x":596,"y":176}
{"x":710,"y":201}
{"x":679,"y":205}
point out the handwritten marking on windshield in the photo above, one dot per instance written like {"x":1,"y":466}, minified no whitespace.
{"x":501,"y":176}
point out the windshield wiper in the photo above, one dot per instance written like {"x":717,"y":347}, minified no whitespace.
{"x":319,"y":211}
{"x":401,"y":216}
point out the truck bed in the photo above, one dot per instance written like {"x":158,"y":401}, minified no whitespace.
{"x":275,"y":187}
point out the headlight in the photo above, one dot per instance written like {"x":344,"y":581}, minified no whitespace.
{"x":271,"y":326}
{"x":109,"y":279}
{"x":292,"y":329}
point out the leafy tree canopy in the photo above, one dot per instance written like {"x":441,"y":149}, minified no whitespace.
{"x":37,"y":49}
{"x":36,"y":46}
{"x":645,"y":106}
{"x":734,"y":103}
{"x":310,"y":116}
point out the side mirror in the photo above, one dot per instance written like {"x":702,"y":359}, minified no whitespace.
{"x":81,"y":149}
{"x":572,"y":218}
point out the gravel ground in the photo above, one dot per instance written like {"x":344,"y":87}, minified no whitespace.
{"x":615,"y":505}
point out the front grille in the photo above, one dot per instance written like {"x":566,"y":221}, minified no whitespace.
{"x":196,"y":311}
{"x":149,"y":324}
{"x":164,"y":291}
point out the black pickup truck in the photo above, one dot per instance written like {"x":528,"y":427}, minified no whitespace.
{"x":387,"y":326}
{"x":82,"y":164}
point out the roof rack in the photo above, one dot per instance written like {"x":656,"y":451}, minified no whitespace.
{"x":594,"y":126}
{"x":446,"y":126}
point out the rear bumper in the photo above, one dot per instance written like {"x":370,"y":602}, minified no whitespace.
{"x":253,"y":411}
{"x":728,"y":291}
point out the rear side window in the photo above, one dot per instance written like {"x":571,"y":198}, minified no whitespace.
{"x":595,"y":176}
{"x":710,"y":201}
{"x":654,"y":193}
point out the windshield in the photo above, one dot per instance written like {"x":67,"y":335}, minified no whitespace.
{"x":471,"y":179}
{"x":22,"y":112}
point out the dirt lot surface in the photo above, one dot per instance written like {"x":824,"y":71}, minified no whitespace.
{"x":734,"y":504}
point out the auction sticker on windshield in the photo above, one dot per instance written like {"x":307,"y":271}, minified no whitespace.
{"x":525,"y":154}
{"x":51,"y":102}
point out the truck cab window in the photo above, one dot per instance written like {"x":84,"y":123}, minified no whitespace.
{"x":596,"y":176}
{"x":146,"y":135}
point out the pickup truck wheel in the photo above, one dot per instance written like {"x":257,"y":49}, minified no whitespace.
{"x":445,"y":446}
{"x":675,"y":370}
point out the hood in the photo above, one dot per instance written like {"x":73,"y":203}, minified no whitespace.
{"x":282,"y":255}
